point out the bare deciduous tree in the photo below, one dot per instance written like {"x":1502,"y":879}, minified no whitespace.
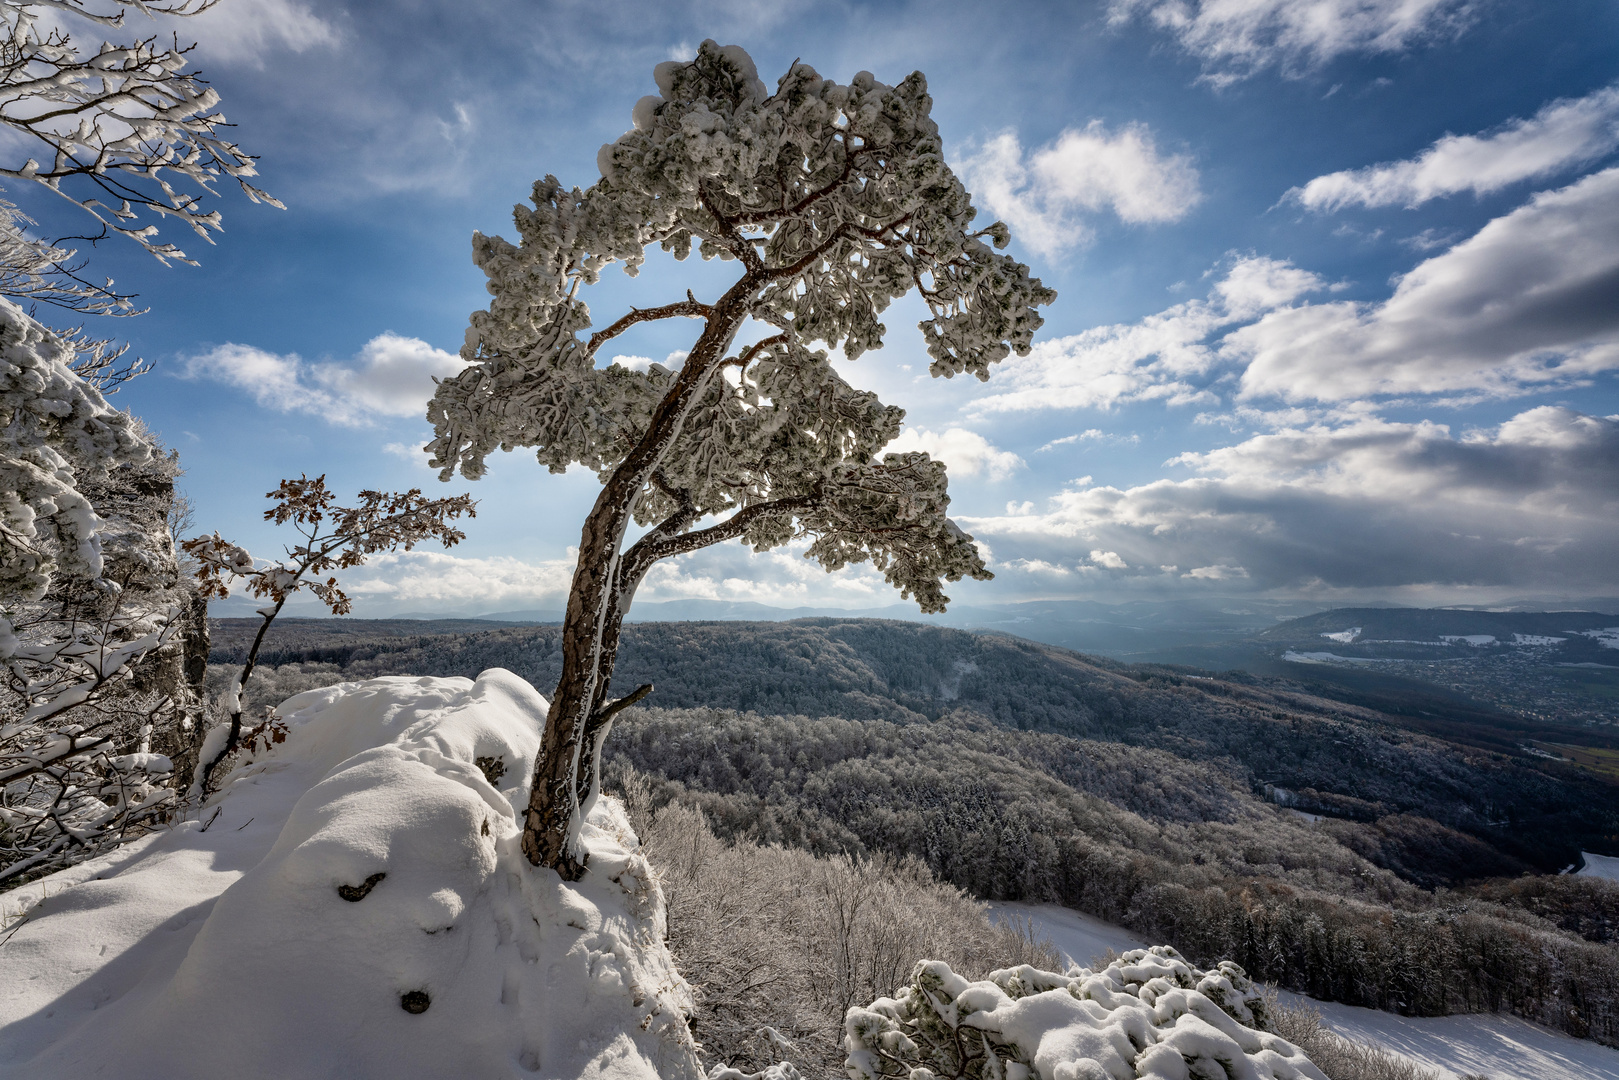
{"x":334,"y":538}
{"x":834,"y":201}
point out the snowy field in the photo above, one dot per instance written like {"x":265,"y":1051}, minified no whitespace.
{"x":1602,"y":866}
{"x":1496,"y":1046}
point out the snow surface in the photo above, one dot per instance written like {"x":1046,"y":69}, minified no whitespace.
{"x":1297,"y":657}
{"x":1344,"y":637}
{"x":222,"y":946}
{"x":1080,"y":938}
{"x":1536,"y":639}
{"x":1608,"y":637}
{"x":1495,"y":1045}
{"x":1602,"y":866}
{"x":1471,"y":639}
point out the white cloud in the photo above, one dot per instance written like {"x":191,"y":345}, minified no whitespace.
{"x":391,"y":376}
{"x":1221,"y":572}
{"x":243,"y":33}
{"x":1527,"y":302}
{"x":1237,"y":38}
{"x":964,"y":453}
{"x":1085,"y":171}
{"x":1563,"y":133}
{"x":434,"y":580}
{"x":641,"y":363}
{"x":1368,"y":504}
{"x":1109,"y":559}
{"x":1162,"y":357}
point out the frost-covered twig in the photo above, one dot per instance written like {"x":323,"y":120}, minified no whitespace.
{"x":127,"y":122}
{"x":334,"y":538}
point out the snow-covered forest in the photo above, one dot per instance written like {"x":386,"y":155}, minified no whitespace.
{"x":268,"y":848}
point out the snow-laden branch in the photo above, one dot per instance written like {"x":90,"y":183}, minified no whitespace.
{"x":122,"y":131}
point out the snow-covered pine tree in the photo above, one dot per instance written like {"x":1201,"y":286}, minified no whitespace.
{"x":834,"y":200}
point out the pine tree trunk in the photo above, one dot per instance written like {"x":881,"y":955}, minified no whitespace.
{"x":598,"y":600}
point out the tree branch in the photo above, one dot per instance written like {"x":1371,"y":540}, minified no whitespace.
{"x":691,"y":308}
{"x":842,"y":232}
{"x":740,"y":245}
{"x":730,"y":528}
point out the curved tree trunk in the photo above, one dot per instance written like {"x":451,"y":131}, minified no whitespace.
{"x":598,"y":600}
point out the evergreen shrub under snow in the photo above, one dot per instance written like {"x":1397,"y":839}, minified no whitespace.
{"x":1147,"y":1014}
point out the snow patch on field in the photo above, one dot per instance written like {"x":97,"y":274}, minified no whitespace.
{"x":1536,"y":640}
{"x":1608,"y":638}
{"x":1498,"y":1046}
{"x":1493,"y":1045}
{"x":1344,"y":637}
{"x":1602,"y":866}
{"x":1470,"y":639}
{"x":1297,"y":657}
{"x":224,"y":947}
{"x":1080,"y":938}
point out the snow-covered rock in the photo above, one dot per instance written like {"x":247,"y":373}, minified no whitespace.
{"x":1147,"y":1014}
{"x":354,"y":903}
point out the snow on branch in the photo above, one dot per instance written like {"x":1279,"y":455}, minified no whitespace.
{"x":122,"y":131}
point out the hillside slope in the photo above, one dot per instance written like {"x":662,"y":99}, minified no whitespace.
{"x":1345,"y":760}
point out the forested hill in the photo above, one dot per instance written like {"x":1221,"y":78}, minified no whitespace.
{"x":1340,"y":759}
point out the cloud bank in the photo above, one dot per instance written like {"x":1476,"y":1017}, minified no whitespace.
{"x":391,"y":376}
{"x":1371,"y":504}
{"x":1526,"y":303}
{"x":1564,"y":133}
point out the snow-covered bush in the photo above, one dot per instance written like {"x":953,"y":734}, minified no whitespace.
{"x":1147,"y":1014}
{"x":832,"y":200}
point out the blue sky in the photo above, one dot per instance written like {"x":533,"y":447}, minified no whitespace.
{"x":1338,"y":281}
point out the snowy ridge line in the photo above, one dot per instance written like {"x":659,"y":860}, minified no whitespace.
{"x":355,"y":903}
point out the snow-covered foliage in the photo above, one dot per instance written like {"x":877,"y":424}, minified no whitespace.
{"x":834,"y":200}
{"x":56,"y":432}
{"x":334,"y":538}
{"x":89,"y":601}
{"x":1147,"y":1014}
{"x":354,"y":902}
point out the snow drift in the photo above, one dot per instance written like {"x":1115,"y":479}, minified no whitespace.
{"x":353,"y":903}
